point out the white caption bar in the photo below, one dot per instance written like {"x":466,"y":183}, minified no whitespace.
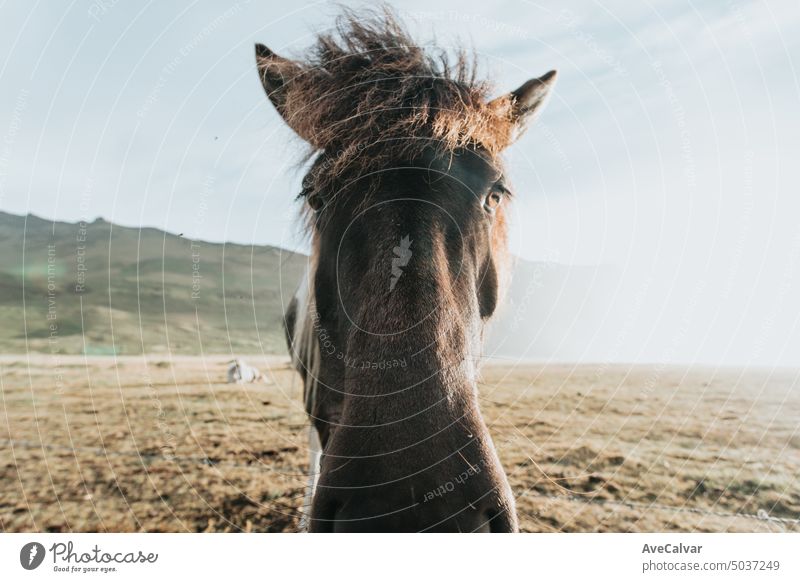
{"x":524,"y":557}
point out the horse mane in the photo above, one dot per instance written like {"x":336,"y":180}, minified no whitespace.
{"x":366,"y":94}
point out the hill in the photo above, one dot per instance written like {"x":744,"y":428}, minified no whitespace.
{"x":101,"y":288}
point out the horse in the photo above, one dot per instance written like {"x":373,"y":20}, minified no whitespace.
{"x":406,"y":201}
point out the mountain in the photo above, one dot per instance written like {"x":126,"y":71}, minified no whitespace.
{"x":101,"y":288}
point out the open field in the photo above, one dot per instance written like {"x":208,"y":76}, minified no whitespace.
{"x":163,"y":444}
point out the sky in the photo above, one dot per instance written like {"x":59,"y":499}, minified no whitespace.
{"x":668,"y":152}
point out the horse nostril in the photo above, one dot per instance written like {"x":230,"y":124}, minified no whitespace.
{"x":489,"y":521}
{"x":497,"y":522}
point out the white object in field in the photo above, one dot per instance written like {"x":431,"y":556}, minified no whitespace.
{"x":240,"y":372}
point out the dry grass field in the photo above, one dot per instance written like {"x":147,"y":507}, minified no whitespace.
{"x":158,"y":444}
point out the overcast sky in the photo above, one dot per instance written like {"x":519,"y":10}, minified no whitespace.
{"x":669,"y":151}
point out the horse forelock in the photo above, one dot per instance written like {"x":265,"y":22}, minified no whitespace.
{"x":369,"y":95}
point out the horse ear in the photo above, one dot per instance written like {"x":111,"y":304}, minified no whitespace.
{"x":276,"y":75}
{"x":528,"y":100}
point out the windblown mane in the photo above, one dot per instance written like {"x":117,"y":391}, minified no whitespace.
{"x":366,"y":94}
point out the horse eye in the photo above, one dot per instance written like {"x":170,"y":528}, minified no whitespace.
{"x":314,"y":201}
{"x":492,"y":200}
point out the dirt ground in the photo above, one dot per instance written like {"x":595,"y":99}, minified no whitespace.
{"x":155,"y":444}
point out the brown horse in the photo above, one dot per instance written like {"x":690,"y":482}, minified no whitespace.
{"x":406,"y":204}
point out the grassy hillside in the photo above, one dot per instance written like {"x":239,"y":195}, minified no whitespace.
{"x":102,"y":288}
